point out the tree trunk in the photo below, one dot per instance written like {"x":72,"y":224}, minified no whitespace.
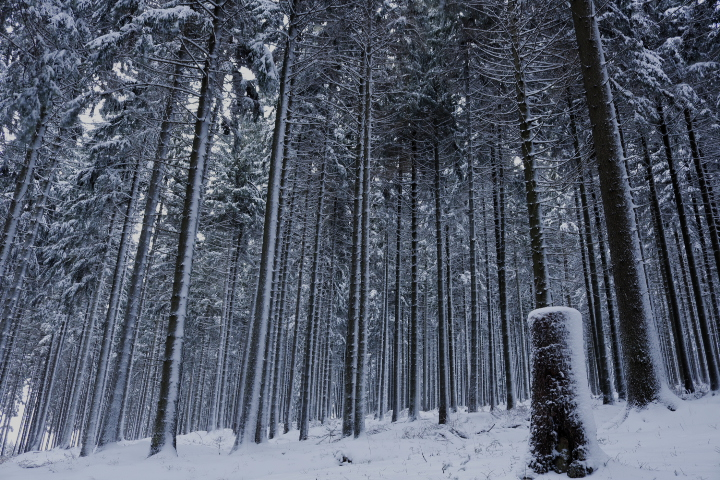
{"x":499,"y":207}
{"x":562,"y":430}
{"x":43,"y":404}
{"x":415,"y":358}
{"x":617,"y":362}
{"x":363,"y":312}
{"x":451,"y":324}
{"x":597,"y":319}
{"x":663,"y":252}
{"x":312,"y":320}
{"x":474,"y":380}
{"x":442,"y":360}
{"x":644,"y":380}
{"x":543,"y":297}
{"x":261,"y":315}
{"x":165,"y":427}
{"x":397,"y":336}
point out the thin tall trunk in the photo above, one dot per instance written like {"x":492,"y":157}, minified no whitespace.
{"x":617,"y":362}
{"x":278,"y":375}
{"x":296,"y":338}
{"x":415,"y":359}
{"x":596,"y":316}
{"x":451,"y":323}
{"x":601,"y":359}
{"x":490,"y":368}
{"x":397,"y":358}
{"x":84,"y":357}
{"x":354,"y":300}
{"x":442,"y":361}
{"x":543,"y":297}
{"x":274,"y":318}
{"x":691,"y":324}
{"x":363,"y":312}
{"x":474,"y":383}
{"x":43,"y":404}
{"x":498,"y":175}
{"x":220,"y":394}
{"x":384,"y":353}
{"x":112,"y":431}
{"x":312,"y":320}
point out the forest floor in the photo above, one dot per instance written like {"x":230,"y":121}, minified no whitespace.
{"x":651,"y":444}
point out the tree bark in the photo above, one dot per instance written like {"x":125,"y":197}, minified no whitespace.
{"x":261,"y":315}
{"x":166,"y":419}
{"x":442,"y":360}
{"x":397,"y":336}
{"x":639,"y":342}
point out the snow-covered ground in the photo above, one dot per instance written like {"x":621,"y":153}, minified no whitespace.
{"x":651,"y":444}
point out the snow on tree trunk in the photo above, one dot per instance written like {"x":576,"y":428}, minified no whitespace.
{"x":562,"y":426}
{"x":312,"y":320}
{"x":363,"y":312}
{"x":165,"y":426}
{"x":397,"y":383}
{"x":351,"y":341}
{"x":261,"y":314}
{"x":442,"y":362}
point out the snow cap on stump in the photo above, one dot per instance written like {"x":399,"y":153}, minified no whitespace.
{"x":562,"y":427}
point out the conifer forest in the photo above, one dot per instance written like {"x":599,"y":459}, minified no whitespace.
{"x":299,"y":222}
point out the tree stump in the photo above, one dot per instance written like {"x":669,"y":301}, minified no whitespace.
{"x":562,"y":426}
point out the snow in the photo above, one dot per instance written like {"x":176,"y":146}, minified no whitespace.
{"x":654,"y":443}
